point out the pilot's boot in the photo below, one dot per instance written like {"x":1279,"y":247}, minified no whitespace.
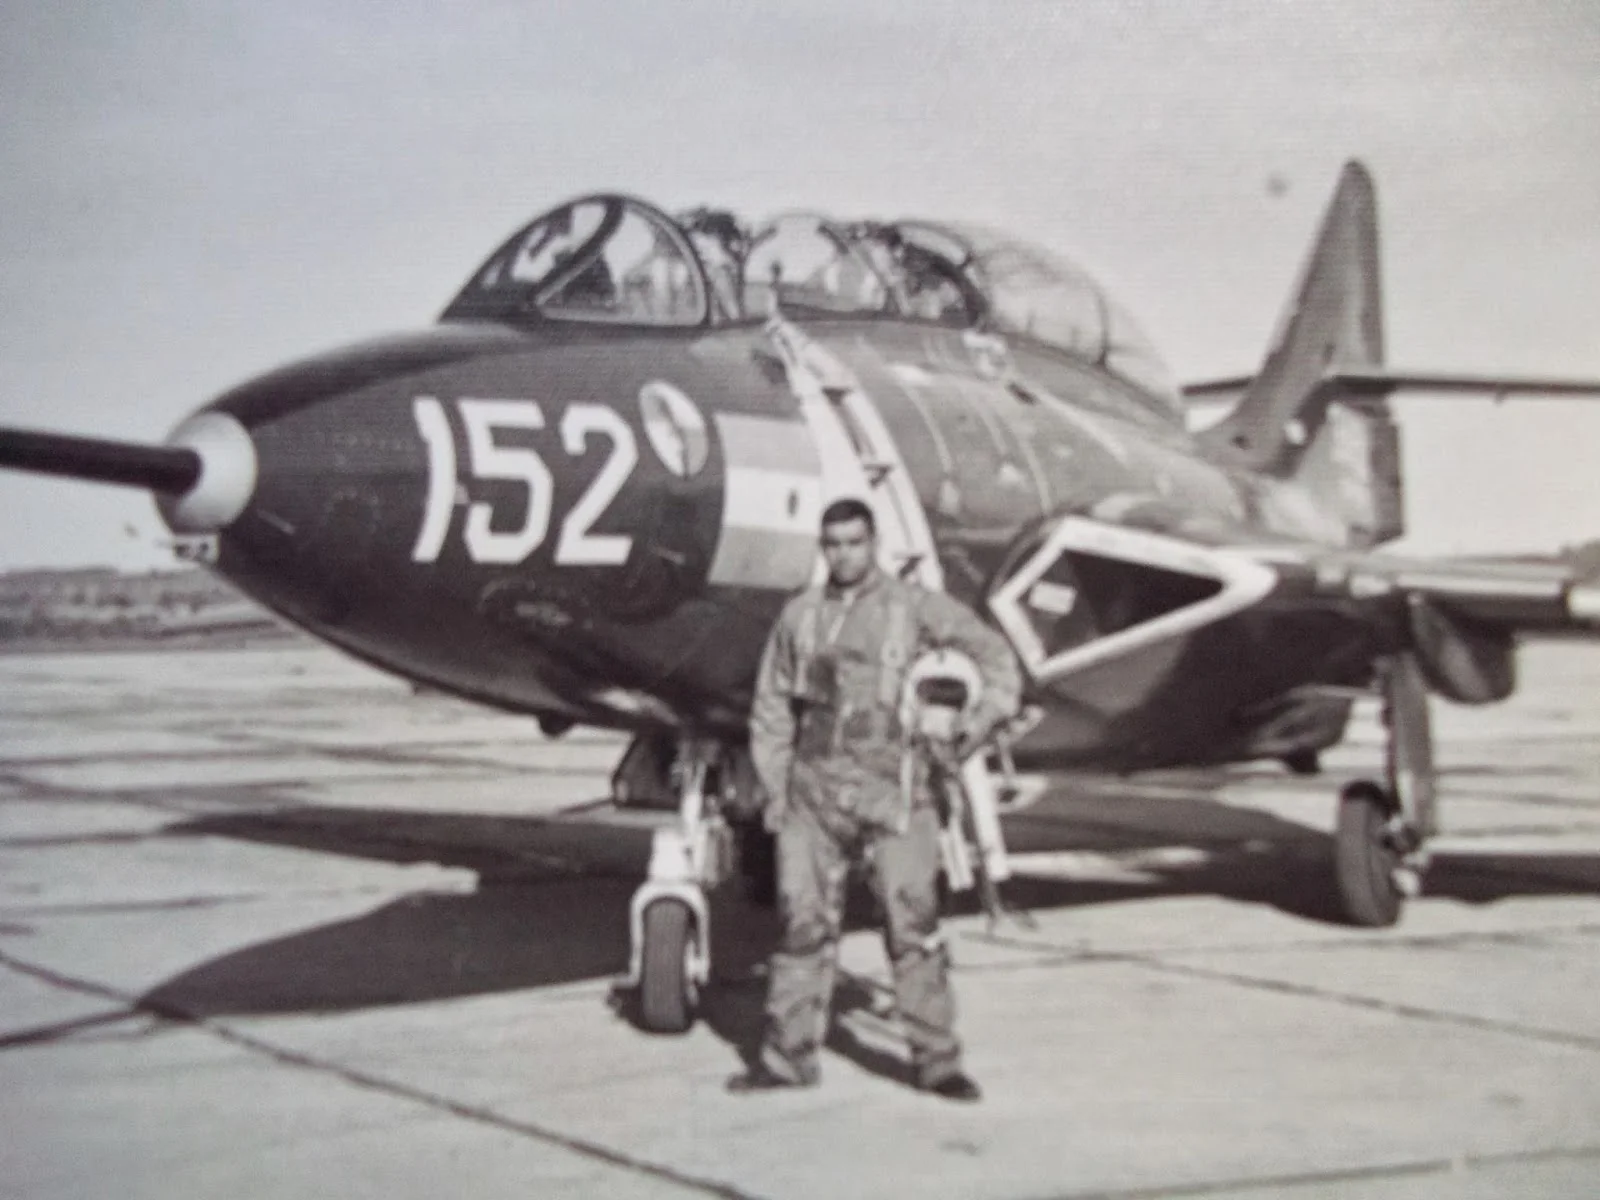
{"x":759,"y":1077}
{"x":957,"y":1085}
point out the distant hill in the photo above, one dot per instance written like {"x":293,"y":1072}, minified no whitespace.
{"x":97,"y":607}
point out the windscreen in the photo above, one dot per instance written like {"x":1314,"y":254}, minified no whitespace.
{"x":602,"y":259}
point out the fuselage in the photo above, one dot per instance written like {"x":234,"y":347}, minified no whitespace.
{"x":507,"y":513}
{"x":586,"y":492}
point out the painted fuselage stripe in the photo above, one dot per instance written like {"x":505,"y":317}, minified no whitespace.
{"x":771,"y":506}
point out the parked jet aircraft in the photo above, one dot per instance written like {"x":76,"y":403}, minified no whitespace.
{"x":585,"y":493}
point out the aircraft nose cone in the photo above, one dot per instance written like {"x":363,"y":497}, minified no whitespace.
{"x":227,"y":474}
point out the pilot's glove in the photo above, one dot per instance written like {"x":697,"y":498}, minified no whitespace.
{"x":743,"y":797}
{"x":981,"y":728}
{"x":977,"y":730}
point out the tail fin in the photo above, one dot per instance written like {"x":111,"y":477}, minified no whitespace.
{"x":1293,"y":421}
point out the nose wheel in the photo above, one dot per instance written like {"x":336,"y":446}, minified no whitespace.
{"x":668,"y":992}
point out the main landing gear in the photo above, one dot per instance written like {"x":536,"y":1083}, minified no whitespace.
{"x":1379,"y":847}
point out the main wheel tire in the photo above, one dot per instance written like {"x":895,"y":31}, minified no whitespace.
{"x":666,"y":993}
{"x":1364,"y":861}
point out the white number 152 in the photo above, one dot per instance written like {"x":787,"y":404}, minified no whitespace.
{"x":488,"y":459}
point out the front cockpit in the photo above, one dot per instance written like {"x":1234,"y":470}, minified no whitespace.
{"x":616,"y":260}
{"x":600,"y":259}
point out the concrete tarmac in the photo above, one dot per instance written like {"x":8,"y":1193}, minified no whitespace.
{"x":273,"y":926}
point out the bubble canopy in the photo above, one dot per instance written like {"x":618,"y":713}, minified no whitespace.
{"x":613,"y":259}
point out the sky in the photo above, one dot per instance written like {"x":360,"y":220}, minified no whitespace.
{"x":192,"y":193}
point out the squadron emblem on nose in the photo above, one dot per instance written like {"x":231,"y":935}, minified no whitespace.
{"x":675,"y":428}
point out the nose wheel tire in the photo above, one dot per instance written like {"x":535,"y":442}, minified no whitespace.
{"x":1367,"y":860}
{"x":666,"y":989}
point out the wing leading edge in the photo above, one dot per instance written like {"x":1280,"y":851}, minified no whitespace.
{"x":1546,"y":596}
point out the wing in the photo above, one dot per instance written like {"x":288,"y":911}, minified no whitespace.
{"x":1534,"y":595}
{"x":1460,"y":618}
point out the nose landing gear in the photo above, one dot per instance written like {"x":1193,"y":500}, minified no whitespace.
{"x":1380,"y":841}
{"x":669,"y":961}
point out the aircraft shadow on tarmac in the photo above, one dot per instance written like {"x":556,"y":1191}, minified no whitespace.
{"x":551,"y":905}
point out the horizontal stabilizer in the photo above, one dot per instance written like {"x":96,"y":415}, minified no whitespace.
{"x":170,"y":469}
{"x":1378,"y":381}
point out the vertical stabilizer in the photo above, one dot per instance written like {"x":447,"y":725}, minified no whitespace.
{"x":1333,"y":321}
{"x":1291,"y":423}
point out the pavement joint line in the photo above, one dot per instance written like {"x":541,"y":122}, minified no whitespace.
{"x":107,"y":758}
{"x":1504,"y":831}
{"x":266,"y":750}
{"x":286,"y":821}
{"x":81,"y":839}
{"x":1155,"y":962}
{"x":411,"y":757}
{"x":477,"y":1114}
{"x":1396,"y":941}
{"x":160,"y":800}
{"x":1410,"y":1168}
{"x":1437,"y":1016}
{"x":1528,"y":799}
{"x":1067,"y":955}
{"x":58,"y":1031}
{"x":1575,"y":738}
{"x":213,"y":901}
{"x":453,"y":772}
{"x":38,"y":789}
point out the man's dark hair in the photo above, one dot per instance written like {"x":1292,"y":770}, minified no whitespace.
{"x":849,"y":509}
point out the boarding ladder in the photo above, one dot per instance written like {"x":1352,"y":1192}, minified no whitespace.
{"x":858,"y":454}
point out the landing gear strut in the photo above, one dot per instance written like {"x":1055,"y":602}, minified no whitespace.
{"x":1379,"y":847}
{"x":669,"y":961}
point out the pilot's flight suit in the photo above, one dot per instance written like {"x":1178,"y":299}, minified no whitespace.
{"x":827,"y":744}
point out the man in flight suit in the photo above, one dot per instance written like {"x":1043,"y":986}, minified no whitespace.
{"x":827,"y":741}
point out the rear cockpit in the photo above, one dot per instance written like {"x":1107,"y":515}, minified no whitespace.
{"x":615,"y":260}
